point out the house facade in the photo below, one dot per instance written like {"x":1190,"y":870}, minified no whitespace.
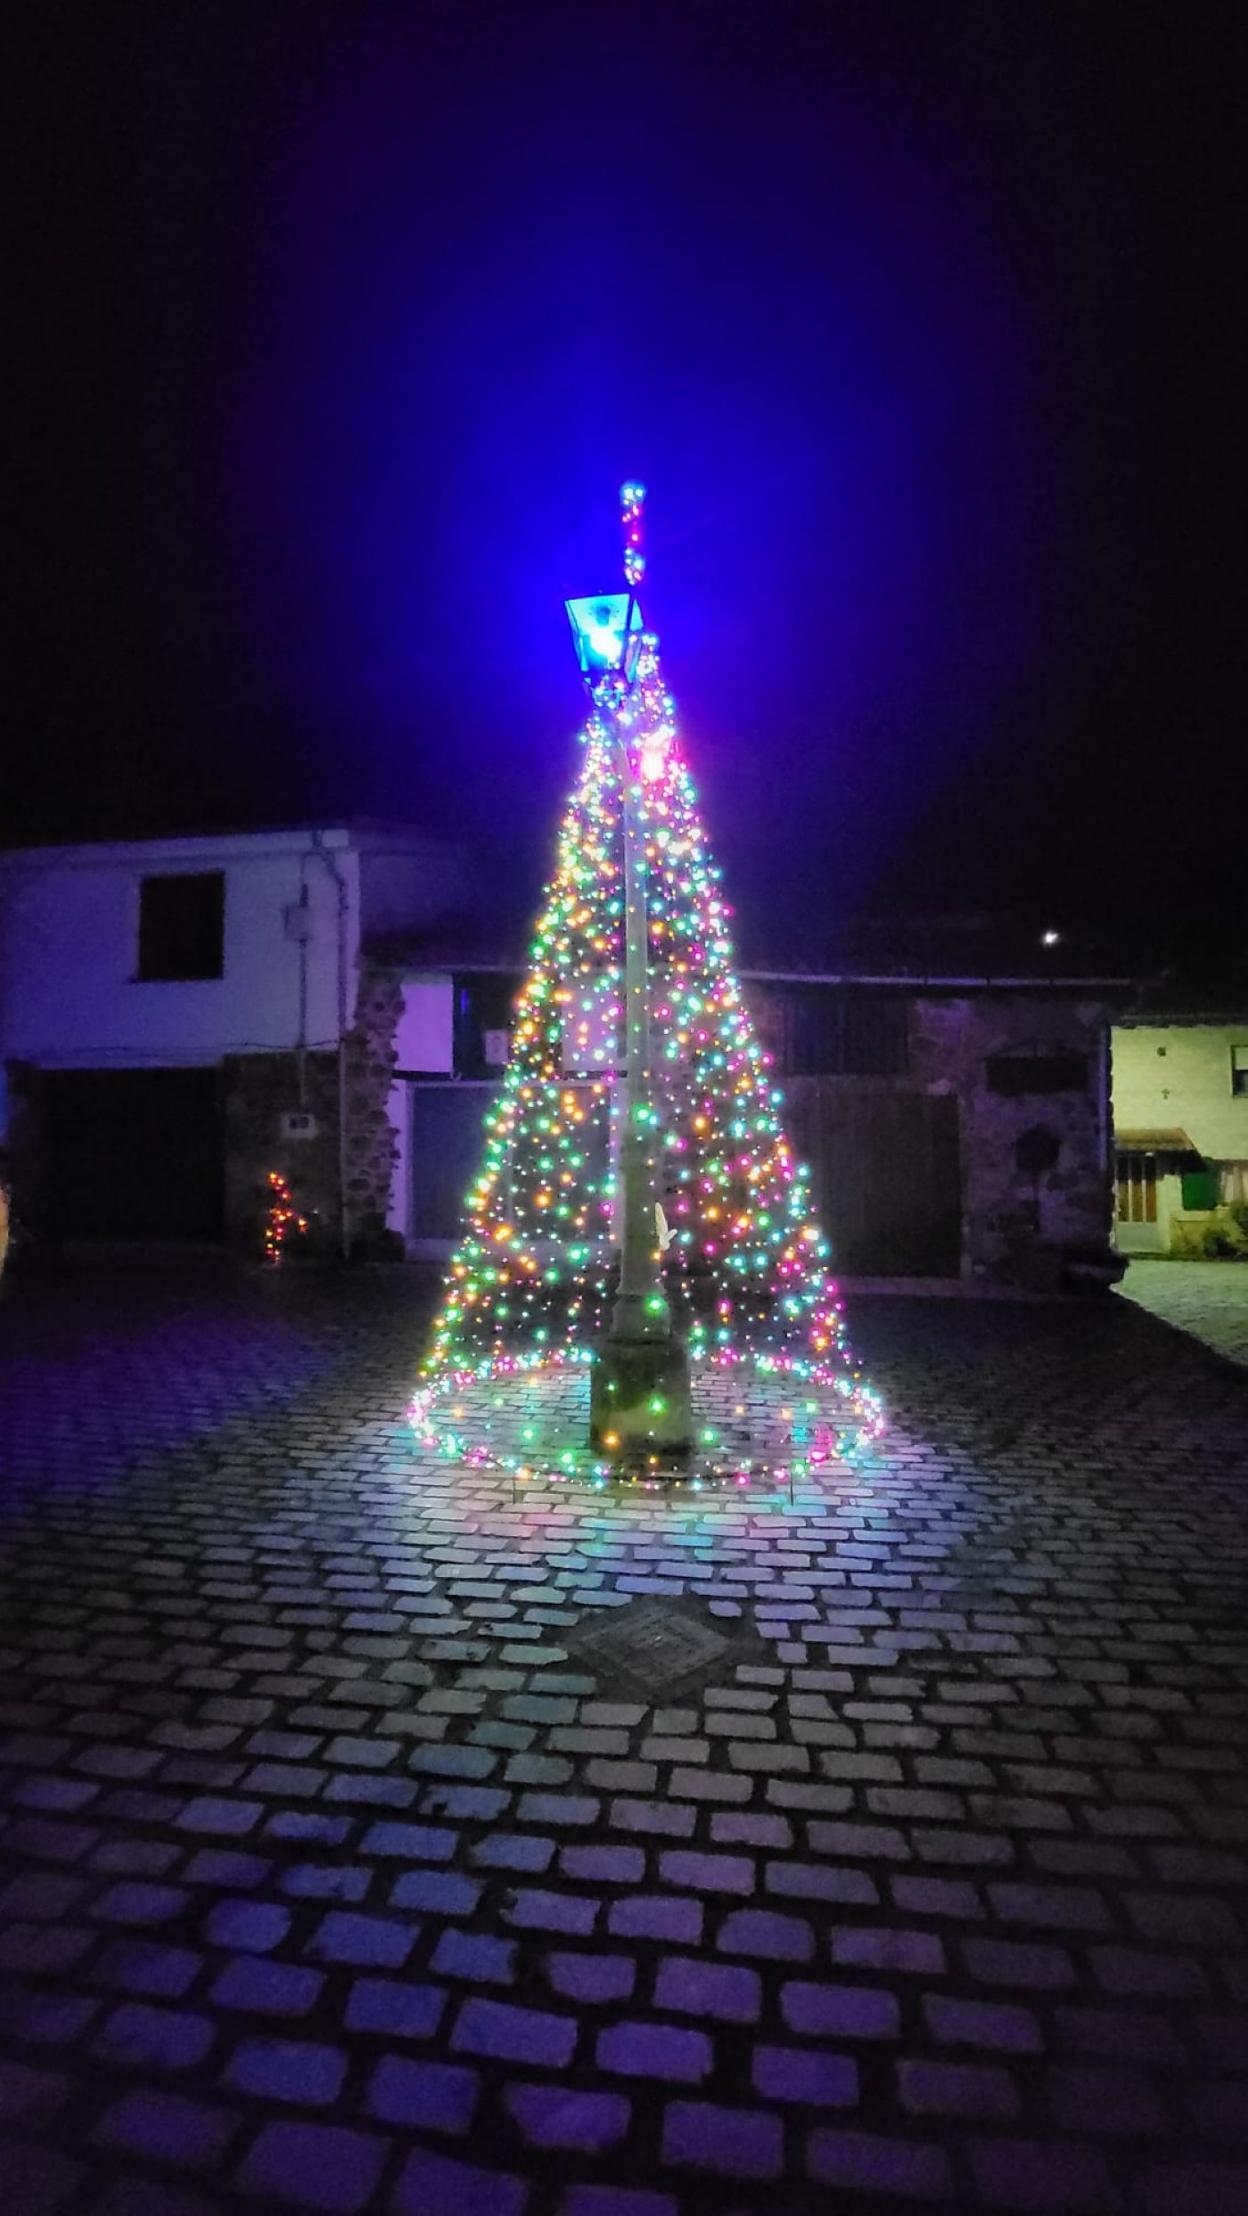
{"x":1180,"y":1100}
{"x":952,"y":1102}
{"x":180,"y":1016}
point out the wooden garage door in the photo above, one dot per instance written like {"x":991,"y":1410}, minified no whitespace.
{"x":886,"y":1176}
{"x":135,"y":1154}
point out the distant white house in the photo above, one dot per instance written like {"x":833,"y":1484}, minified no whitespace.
{"x":175,"y":1016}
{"x":1180,"y":1102}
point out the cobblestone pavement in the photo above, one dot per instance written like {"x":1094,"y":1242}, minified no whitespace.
{"x":1209,"y":1299}
{"x":369,"y":1843}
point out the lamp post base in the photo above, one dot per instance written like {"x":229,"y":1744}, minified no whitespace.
{"x":639,"y":1398}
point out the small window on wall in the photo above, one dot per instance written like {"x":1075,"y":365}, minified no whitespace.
{"x":181,"y":926}
{"x":1239,"y":1069}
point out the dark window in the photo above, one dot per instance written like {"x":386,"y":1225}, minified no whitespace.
{"x":483,"y":1015}
{"x":182,"y":926}
{"x":823,"y":1030}
{"x":1239,"y":1069}
{"x":1037,"y":1073}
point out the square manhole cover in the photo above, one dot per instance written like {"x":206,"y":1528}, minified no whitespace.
{"x":656,"y":1647}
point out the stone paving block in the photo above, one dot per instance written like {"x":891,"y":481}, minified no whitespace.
{"x":395,"y":2008}
{"x":673,"y":1918}
{"x":144,"y":2038}
{"x":423,"y":2096}
{"x":868,"y":2162}
{"x":509,"y":2034}
{"x":731,"y":2142}
{"x":167,"y":2127}
{"x":297,"y":2070}
{"x":615,"y":2200}
{"x":766,"y":1935}
{"x":998,"y":2025}
{"x":977,"y":2091}
{"x":892,"y":1951}
{"x":689,"y":1987}
{"x":475,"y":1956}
{"x":707,"y":1872}
{"x":433,"y":2185}
{"x":1007,"y":1962}
{"x":436,"y":1892}
{"x":314,"y":2166}
{"x":146,"y":1966}
{"x":409,"y":1842}
{"x":649,"y":2050}
{"x":246,"y":1927}
{"x":817,"y":1881}
{"x":805,"y":2074}
{"x":839,"y":2011}
{"x":591,"y":1979}
{"x":258,"y":1987}
{"x":560,"y":2116}
{"x":362,"y":1941}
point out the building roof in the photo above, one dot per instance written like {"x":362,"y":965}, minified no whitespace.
{"x":331,"y":831}
{"x":939,"y":952}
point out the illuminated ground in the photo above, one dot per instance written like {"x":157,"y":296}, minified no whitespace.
{"x":1209,"y":1299}
{"x":371,"y":1843}
{"x":748,"y":1430}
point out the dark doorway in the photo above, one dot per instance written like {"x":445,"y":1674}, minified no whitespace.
{"x":886,"y":1176}
{"x":447,"y":1143}
{"x":135,"y":1154}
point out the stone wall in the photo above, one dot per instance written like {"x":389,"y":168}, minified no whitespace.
{"x":1018,"y":1210}
{"x":261,"y":1088}
{"x":372,"y":1143}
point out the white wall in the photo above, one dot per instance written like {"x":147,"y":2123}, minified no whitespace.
{"x":69,"y":920}
{"x":425,"y":1038}
{"x":1179,"y":1075}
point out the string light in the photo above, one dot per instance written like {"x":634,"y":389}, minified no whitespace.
{"x":746,"y":1269}
{"x":281,"y":1218}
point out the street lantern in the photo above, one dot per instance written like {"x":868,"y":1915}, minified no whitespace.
{"x":607,"y":632}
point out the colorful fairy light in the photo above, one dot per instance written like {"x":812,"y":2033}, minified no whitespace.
{"x":281,"y":1218}
{"x":744,"y":1262}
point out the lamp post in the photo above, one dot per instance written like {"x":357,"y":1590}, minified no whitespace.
{"x":639,"y":1384}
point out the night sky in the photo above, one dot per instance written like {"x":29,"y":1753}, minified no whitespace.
{"x":338,"y":326}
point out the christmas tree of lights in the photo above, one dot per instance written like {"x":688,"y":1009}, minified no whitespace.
{"x":738,"y":1266}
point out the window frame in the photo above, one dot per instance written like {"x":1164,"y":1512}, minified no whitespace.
{"x":148,"y":968}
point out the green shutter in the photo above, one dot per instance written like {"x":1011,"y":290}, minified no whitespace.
{"x":1200,"y":1188}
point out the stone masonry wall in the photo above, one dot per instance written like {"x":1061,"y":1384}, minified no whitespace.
{"x":371,"y":1062}
{"x":259,"y":1090}
{"x":1014,"y":1221}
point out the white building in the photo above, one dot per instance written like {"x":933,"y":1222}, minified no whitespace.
{"x":1180,"y":1099}
{"x":160,"y":998}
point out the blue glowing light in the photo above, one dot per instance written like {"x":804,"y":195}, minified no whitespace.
{"x":598,"y":626}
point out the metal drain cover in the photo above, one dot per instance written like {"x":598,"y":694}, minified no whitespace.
{"x":659,"y":1646}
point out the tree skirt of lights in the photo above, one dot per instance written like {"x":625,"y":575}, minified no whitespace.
{"x":754,"y":1425}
